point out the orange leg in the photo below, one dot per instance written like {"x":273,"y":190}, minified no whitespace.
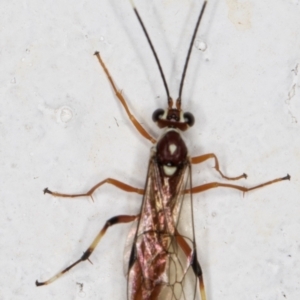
{"x":205,"y":187}
{"x":195,"y":264}
{"x":118,"y":93}
{"x":113,"y":221}
{"x":121,"y":185}
{"x":202,"y":158}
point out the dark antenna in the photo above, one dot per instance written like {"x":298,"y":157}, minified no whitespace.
{"x":154,"y":53}
{"x":189,"y":52}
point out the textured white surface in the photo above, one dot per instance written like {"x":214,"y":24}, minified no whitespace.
{"x":61,"y":127}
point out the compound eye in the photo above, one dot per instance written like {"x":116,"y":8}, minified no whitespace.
{"x":189,"y":119}
{"x":157,"y":114}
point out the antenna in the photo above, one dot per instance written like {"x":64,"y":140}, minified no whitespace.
{"x":154,"y":53}
{"x":189,"y":52}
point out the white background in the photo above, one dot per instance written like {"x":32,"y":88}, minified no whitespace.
{"x":62,"y":127}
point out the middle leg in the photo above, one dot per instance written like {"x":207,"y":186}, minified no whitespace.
{"x":119,"y":184}
{"x":208,"y":186}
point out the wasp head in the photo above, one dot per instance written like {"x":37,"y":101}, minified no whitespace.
{"x":173,"y":117}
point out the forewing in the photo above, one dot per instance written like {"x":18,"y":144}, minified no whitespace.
{"x":163,"y":248}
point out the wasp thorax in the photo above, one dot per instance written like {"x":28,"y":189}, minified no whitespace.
{"x":171,"y":152}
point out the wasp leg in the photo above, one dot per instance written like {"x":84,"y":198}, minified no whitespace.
{"x":194,"y":263}
{"x":121,"y":185}
{"x":113,"y":221}
{"x":204,"y":187}
{"x":202,"y":158}
{"x":118,"y":93}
